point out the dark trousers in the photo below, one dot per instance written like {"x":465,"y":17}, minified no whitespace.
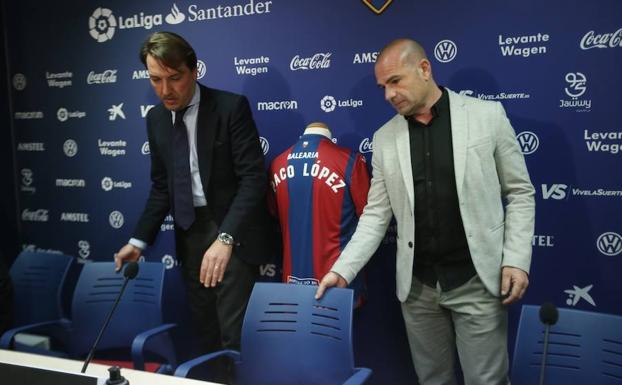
{"x":217,"y":312}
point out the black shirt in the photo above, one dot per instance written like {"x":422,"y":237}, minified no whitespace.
{"x":441,"y":249}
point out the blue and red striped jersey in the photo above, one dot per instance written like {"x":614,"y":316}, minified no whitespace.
{"x":319,"y":191}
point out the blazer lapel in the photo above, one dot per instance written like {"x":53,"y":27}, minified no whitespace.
{"x":207,"y":121}
{"x":459,"y":136}
{"x":402,"y":143}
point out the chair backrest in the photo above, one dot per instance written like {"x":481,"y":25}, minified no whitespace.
{"x":584,"y":348}
{"x":38,"y":280}
{"x":139,"y":309}
{"x":288,"y":337}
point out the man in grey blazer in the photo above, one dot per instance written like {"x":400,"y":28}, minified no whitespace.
{"x":450,"y":170}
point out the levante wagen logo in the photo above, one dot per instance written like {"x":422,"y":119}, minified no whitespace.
{"x":377,"y":6}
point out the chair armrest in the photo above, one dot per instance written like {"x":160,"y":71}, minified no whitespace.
{"x":7,"y":338}
{"x":138,"y":345}
{"x":183,"y":369}
{"x":359,"y":377}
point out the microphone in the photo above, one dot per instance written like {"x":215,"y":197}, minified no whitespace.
{"x":130,"y":272}
{"x":548,"y":316}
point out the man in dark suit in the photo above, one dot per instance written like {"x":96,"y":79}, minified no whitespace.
{"x":207,"y":169}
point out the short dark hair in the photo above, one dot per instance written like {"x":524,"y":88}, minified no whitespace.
{"x":170,"y":49}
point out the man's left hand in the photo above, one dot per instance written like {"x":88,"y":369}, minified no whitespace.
{"x":214,"y":264}
{"x":514,"y":282}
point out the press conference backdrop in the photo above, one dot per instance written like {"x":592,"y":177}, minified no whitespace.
{"x":80,"y":96}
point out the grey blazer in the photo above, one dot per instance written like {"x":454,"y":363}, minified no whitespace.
{"x":496,"y":195}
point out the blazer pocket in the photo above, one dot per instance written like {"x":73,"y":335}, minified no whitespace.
{"x":479,"y":141}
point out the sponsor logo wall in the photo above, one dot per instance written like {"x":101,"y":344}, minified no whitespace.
{"x":79,"y":112}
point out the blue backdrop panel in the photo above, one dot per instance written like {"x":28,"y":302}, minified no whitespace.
{"x":80,"y":96}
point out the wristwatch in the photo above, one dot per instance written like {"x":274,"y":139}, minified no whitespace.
{"x":226,"y":239}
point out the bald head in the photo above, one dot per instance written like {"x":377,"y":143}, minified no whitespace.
{"x":408,"y":51}
{"x":404,"y":72}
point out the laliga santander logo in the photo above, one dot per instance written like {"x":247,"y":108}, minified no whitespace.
{"x":102,"y":25}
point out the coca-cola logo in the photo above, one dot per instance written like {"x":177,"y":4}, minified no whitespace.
{"x":40,"y":215}
{"x":315,"y":62}
{"x":108,"y":76}
{"x":366,"y":146}
{"x":605,"y":40}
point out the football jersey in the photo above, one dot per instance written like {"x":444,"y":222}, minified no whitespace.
{"x":319,"y":191}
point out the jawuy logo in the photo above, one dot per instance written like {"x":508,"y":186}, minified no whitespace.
{"x":19,"y":82}
{"x":609,"y":243}
{"x":84,"y":249}
{"x":528,"y":142}
{"x":116,"y":219}
{"x":445,"y":51}
{"x":577,"y":85}
{"x":201,"y":69}
{"x":265,"y":145}
{"x":176,"y":16}
{"x":70,"y":147}
{"x":102,"y":25}
{"x":377,"y":6}
{"x":27,"y":180}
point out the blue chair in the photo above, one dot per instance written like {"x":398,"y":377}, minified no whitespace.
{"x":290,"y":338}
{"x":137,"y":323}
{"x":584,"y":348}
{"x":38,"y":282}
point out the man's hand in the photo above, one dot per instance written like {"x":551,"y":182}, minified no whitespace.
{"x":214,"y":264}
{"x":514,"y":282}
{"x":331,"y":279}
{"x":128,"y":253}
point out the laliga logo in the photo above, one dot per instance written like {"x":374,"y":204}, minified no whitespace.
{"x":70,"y":147}
{"x":609,"y":243}
{"x":168,"y":261}
{"x":576,"y":84}
{"x":107,"y":184}
{"x":528,"y":142}
{"x":175,"y":17}
{"x":19,"y":81}
{"x":116,"y":219}
{"x":366,"y":146}
{"x":102,"y":25}
{"x":265,"y":145}
{"x":85,"y":249}
{"x":445,"y":51}
{"x":201,"y":69}
{"x":328,"y":103}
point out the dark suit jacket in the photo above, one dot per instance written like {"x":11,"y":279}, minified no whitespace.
{"x":231,"y":166}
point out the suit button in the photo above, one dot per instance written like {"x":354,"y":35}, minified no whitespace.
{"x":410,"y":244}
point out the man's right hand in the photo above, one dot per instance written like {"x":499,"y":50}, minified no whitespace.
{"x":331,"y":279}
{"x":128,"y":253}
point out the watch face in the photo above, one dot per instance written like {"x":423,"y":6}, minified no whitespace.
{"x":225,"y":238}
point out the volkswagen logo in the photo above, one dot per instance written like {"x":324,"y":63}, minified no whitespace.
{"x":445,"y":51}
{"x":528,"y":142}
{"x":609,"y":243}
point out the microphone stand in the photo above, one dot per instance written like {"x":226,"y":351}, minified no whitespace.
{"x":101,"y":331}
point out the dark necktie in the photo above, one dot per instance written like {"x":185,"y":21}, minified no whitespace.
{"x":182,"y":183}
